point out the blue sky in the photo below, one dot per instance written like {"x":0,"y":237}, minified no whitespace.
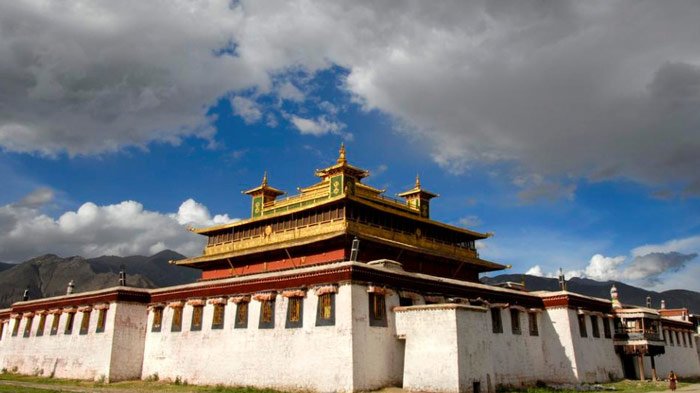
{"x":112,"y":144}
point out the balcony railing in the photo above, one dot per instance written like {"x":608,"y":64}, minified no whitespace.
{"x":637,"y":334}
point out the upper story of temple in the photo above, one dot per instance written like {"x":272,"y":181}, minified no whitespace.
{"x":320,"y":224}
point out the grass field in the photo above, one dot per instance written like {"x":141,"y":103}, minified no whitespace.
{"x":28,"y":384}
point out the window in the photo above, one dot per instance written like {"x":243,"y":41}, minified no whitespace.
{"x":594,"y":326}
{"x":176,"y":325}
{"x":326,"y":310}
{"x":217,"y":321}
{"x":678,"y":338}
{"x":690,"y":339}
{"x":685,"y":343}
{"x":54,"y":324}
{"x":670,"y":337}
{"x":496,"y":322}
{"x":28,"y":327}
{"x":2,"y":328}
{"x":405,"y":301}
{"x":606,"y":327}
{"x":514,"y":321}
{"x":295,"y":312}
{"x":157,"y":319}
{"x":15,"y":327}
{"x":267,"y":314}
{"x":85,"y":322}
{"x":377,"y":309}
{"x":241,"y":316}
{"x":197,"y":315}
{"x":42,"y":325}
{"x":70,"y":317}
{"x":101,"y":320}
{"x":582,"y":325}
{"x":532,"y":321}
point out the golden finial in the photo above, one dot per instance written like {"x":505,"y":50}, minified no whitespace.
{"x":417,"y":181}
{"x":264,"y":180}
{"x":341,"y":156}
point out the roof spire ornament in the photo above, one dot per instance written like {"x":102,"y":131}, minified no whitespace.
{"x":341,"y":154}
{"x":615,"y":297}
{"x":417,"y":180}
{"x":264,"y":180}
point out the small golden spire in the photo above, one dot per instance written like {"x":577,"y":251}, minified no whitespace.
{"x":417,"y":181}
{"x":264,"y":180}
{"x":341,"y":155}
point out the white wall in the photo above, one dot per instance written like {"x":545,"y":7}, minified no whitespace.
{"x":378,"y":355}
{"x":306,"y":358}
{"x":596,"y":359}
{"x":128,"y":341}
{"x":683,"y":360}
{"x":63,"y":356}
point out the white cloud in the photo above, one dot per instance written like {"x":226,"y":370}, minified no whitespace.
{"x":287,"y":91}
{"x":247,"y":109}
{"x":657,"y":267}
{"x":470,"y":221}
{"x":318,"y":127}
{"x":124,"y":228}
{"x":566,"y":90}
{"x":535,"y":271}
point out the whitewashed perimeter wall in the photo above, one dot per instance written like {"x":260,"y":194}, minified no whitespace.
{"x":307,"y":358}
{"x":86,"y":356}
{"x":683,"y":360}
{"x":596,"y":359}
{"x":378,"y":355}
{"x":128,"y":341}
{"x":449,"y":347}
{"x":438,"y":356}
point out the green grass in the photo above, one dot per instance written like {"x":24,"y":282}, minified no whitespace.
{"x":17,"y":389}
{"x":135,"y":386}
{"x":629,"y":386}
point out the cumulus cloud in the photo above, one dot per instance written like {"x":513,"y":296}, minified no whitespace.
{"x":246,"y":108}
{"x":125,"y":228}
{"x":535,"y":271}
{"x":657,"y":269}
{"x":470,"y":221}
{"x":568,"y":89}
{"x":316,"y":127}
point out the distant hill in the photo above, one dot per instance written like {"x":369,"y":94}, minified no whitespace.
{"x":676,"y":298}
{"x":5,"y":266}
{"x":48,"y":275}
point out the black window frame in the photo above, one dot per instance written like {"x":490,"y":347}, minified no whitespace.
{"x":291,"y":303}
{"x":101,"y":320}
{"x":582,"y":325}
{"x":320,"y":319}
{"x":176,"y":323}
{"x":55,"y":324}
{"x":197,"y":313}
{"x":218,"y":308}
{"x":157,"y":320}
{"x":85,"y":323}
{"x":263,"y":323}
{"x":515,"y":321}
{"x":595,"y":328}
{"x":241,"y":308}
{"x":28,"y":326}
{"x":15,"y":327}
{"x":377,"y":309}
{"x":68,"y":326}
{"x":496,"y":320}
{"x":533,"y":326}
{"x":41,"y":326}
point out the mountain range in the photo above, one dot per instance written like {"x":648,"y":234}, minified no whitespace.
{"x":48,"y":275}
